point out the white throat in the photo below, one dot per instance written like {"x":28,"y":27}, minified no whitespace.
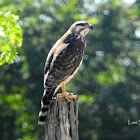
{"x":84,"y":32}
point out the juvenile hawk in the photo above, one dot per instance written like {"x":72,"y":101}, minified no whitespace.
{"x":62,"y":63}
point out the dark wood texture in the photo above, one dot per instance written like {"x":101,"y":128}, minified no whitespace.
{"x":62,"y":120}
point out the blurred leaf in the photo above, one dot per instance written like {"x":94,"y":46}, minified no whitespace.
{"x":85,"y":99}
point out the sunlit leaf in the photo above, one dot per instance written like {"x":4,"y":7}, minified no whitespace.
{"x":10,"y":37}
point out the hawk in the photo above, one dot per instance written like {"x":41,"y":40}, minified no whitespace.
{"x":62,"y":63}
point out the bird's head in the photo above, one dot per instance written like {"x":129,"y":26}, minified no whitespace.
{"x":81,"y":27}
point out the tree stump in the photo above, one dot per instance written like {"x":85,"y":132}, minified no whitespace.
{"x":62,"y":120}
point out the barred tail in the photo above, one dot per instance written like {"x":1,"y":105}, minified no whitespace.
{"x":47,"y":97}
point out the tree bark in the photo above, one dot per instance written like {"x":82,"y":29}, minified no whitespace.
{"x":62,"y":120}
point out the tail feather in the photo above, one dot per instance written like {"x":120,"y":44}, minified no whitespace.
{"x":45,"y":102}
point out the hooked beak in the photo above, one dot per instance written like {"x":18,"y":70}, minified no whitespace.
{"x":91,"y":27}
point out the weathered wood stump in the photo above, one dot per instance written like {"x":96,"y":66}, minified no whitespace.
{"x":62,"y":120}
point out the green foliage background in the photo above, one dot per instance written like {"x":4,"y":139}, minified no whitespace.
{"x":108,"y":82}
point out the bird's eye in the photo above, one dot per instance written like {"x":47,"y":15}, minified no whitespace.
{"x":81,"y":24}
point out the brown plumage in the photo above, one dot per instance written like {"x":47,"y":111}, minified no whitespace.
{"x":62,"y":63}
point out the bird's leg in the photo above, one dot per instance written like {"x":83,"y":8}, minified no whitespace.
{"x":65,"y":94}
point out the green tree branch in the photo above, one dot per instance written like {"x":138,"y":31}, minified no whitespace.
{"x":10,"y":37}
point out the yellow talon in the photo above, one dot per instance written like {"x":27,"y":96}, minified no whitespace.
{"x":65,"y":94}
